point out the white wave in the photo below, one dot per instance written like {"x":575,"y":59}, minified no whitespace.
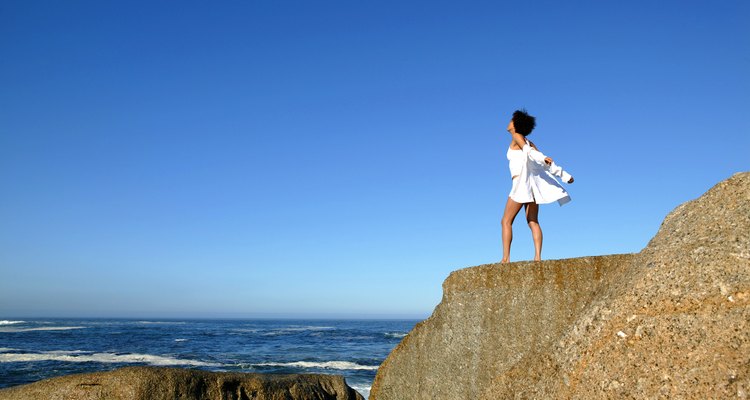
{"x":397,"y":335}
{"x":161,"y":322}
{"x":309,"y":328}
{"x":325,"y":364}
{"x":8,"y":322}
{"x":286,"y":331}
{"x":250,"y":330}
{"x":64,"y":352}
{"x":70,"y":356}
{"x":41,"y":328}
{"x":362,"y":389}
{"x":360,"y":338}
{"x":4,"y":349}
{"x":181,"y":340}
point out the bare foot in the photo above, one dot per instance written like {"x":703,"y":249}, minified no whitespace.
{"x":504,"y":261}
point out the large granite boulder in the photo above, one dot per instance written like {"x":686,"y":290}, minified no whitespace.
{"x":158,"y":383}
{"x":669,"y":322}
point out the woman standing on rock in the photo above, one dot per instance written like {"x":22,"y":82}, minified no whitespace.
{"x":533,"y":175}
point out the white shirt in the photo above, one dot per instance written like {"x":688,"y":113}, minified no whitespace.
{"x":536,"y":180}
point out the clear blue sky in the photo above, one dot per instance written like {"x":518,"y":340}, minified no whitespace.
{"x":340,"y":158}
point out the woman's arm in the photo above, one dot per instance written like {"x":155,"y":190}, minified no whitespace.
{"x":535,"y":155}
{"x":539,"y":157}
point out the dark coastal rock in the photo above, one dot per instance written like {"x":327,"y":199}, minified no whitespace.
{"x":153,"y":383}
{"x":672,"y":321}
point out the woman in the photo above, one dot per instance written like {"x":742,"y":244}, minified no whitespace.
{"x":533,"y":175}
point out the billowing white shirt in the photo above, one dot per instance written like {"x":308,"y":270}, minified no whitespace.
{"x":537,"y":181}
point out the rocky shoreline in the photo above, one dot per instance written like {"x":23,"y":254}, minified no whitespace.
{"x":160,"y":383}
{"x":672,"y":321}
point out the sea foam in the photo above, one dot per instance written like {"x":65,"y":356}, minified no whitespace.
{"x":8,"y":322}
{"x":324,"y":364}
{"x":297,"y":329}
{"x":364,"y":390}
{"x":40,"y":328}
{"x":77,"y":356}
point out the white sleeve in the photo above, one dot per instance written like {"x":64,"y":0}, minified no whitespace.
{"x":557,"y":170}
{"x":534,"y":154}
{"x":538,"y":157}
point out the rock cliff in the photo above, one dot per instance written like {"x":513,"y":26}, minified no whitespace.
{"x":152,"y":383}
{"x":669,"y":322}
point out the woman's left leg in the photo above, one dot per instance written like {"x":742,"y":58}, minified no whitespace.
{"x":532,"y":218}
{"x":511,"y":210}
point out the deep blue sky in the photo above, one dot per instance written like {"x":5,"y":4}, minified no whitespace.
{"x":340,"y":158}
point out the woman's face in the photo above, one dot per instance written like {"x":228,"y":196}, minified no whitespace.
{"x":510,"y":127}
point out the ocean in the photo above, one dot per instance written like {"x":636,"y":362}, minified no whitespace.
{"x":34,"y":349}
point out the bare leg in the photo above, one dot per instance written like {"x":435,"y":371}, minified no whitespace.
{"x":511,"y":210}
{"x":532,"y":218}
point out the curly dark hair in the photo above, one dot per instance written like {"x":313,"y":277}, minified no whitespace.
{"x":523,"y":122}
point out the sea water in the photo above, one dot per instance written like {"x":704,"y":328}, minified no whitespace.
{"x":34,"y":349}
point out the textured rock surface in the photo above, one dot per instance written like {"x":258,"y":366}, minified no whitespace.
{"x":152,"y":383}
{"x":669,"y":322}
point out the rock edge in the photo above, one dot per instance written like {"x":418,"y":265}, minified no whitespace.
{"x":162,"y":383}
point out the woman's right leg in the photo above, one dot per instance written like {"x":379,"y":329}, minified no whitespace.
{"x":532,"y":217}
{"x":511,"y":210}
